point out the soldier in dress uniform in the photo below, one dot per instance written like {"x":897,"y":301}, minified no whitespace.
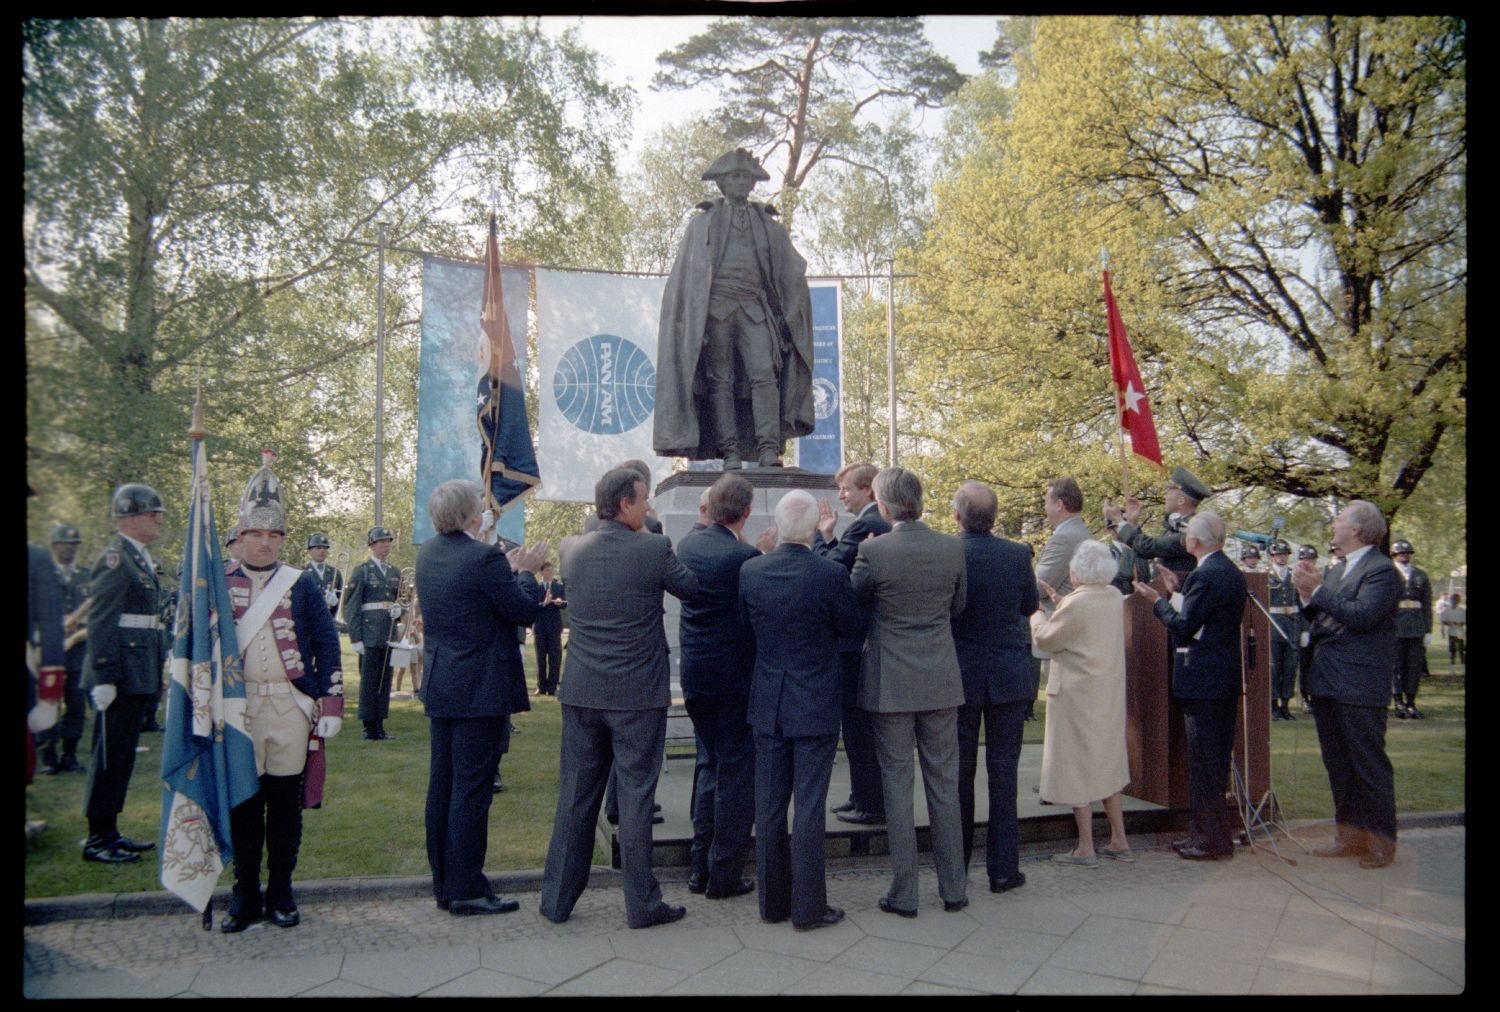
{"x":370,"y":612}
{"x":294,"y":701}
{"x":122,"y":667}
{"x":1304,"y":636}
{"x":1184,"y":493}
{"x":330,"y":580}
{"x":1413,"y":626}
{"x":1250,"y":559}
{"x":73,"y":584}
{"x":1284,"y":616}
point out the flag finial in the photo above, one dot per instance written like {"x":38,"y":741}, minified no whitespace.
{"x":196,"y":429}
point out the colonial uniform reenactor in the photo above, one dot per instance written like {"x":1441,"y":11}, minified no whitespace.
{"x":122,"y":667}
{"x":1413,"y":625}
{"x":370,"y":611}
{"x":1284,"y":616}
{"x":73,"y":585}
{"x":294,"y":700}
{"x":1304,"y":636}
{"x":330,"y":580}
{"x":1184,"y":493}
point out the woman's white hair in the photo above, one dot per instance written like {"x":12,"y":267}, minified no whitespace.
{"x":1093,"y":563}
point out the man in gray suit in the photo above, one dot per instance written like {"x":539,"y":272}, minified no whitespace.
{"x":1062,"y":504}
{"x":913,"y":582}
{"x":614,"y":698}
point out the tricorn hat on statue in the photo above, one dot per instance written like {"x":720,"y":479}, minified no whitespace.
{"x":737,"y":160}
{"x":1190,"y":486}
{"x":260,"y":506}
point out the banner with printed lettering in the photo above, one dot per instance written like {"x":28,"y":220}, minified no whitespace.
{"x":823,"y":451}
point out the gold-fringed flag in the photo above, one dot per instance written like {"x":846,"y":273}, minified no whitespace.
{"x":508,"y":457}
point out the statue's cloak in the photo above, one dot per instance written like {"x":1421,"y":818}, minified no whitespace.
{"x":684,"y":416}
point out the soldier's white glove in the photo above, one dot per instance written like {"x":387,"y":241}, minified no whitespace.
{"x":395,"y":612}
{"x":305,"y":704}
{"x":328,"y":727}
{"x":43,"y":717}
{"x":103,"y":695}
{"x":359,"y":648}
{"x":330,"y":598}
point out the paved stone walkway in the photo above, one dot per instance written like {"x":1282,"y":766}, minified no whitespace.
{"x":1253,"y":925}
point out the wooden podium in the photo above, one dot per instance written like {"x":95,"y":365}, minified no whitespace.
{"x":1154,"y":734}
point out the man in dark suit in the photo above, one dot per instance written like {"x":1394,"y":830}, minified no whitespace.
{"x":1206,"y":678}
{"x":1353,"y":614}
{"x":471,"y":608}
{"x":866,"y":803}
{"x":718,"y":654}
{"x":994,"y":658}
{"x":614,"y":697}
{"x":799,"y":606}
{"x":122,"y":670}
{"x":913,"y":581}
{"x":547,"y":631}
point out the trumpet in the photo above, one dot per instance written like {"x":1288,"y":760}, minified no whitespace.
{"x":76,"y":625}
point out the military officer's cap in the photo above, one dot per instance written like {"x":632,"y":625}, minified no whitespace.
{"x":1402,"y":547}
{"x":260,"y":506}
{"x":737,"y":160}
{"x":1307,"y":552}
{"x":65,"y":534}
{"x":1190,"y":486}
{"x":1250,"y":552}
{"x":133,"y":500}
{"x":318,"y":540}
{"x":1279,"y":547}
{"x":379,"y":534}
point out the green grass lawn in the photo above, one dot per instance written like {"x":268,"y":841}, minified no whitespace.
{"x":371,"y":820}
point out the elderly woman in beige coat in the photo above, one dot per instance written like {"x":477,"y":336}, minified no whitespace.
{"x":1083,"y":749}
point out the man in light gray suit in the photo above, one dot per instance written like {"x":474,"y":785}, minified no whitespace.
{"x":1062,"y":504}
{"x":913,"y":582}
{"x":614,"y":698}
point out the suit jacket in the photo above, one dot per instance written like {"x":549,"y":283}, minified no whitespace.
{"x":1057,"y":554}
{"x":990,"y":635}
{"x":868,"y":524}
{"x":798,"y":605}
{"x":617,"y":646}
{"x":549,"y":617}
{"x":914,"y":581}
{"x":367,"y":585}
{"x":1353,"y":633}
{"x":718,"y":647}
{"x":1207,"y":661}
{"x":128,"y":657}
{"x":471,"y":606}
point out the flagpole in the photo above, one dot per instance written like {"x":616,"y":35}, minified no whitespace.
{"x":1119,"y":397}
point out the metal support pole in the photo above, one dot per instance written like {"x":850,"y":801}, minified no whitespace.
{"x":379,"y":374}
{"x":890,"y":353}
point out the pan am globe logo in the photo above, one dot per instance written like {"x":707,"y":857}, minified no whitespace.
{"x":605,"y":385}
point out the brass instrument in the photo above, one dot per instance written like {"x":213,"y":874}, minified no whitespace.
{"x":76,"y":625}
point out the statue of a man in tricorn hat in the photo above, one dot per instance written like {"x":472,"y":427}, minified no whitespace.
{"x":734,"y":353}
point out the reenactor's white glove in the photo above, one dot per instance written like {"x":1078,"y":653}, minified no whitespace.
{"x":359,"y":648}
{"x":103,"y":695}
{"x":328,"y":727}
{"x":43,"y":717}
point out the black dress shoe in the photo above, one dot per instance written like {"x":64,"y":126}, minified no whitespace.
{"x":233,"y":923}
{"x":442,"y":904}
{"x":657,"y":820}
{"x":831,"y":916}
{"x":497,"y":788}
{"x":384,"y":735}
{"x":1201,"y":854}
{"x":663,"y":914}
{"x":1185,"y":841}
{"x":656,"y":806}
{"x":1377,"y":859}
{"x":739,"y":888}
{"x":370,"y":736}
{"x":134,"y":846}
{"x":69,"y":764}
{"x":859,"y":818}
{"x":285,"y":918}
{"x":847,"y":806}
{"x":1005,"y":885}
{"x":1413,"y":713}
{"x":108,"y":851}
{"x":891,"y":908}
{"x":482,"y":905}
{"x":697,"y":883}
{"x":1286,"y":714}
{"x":954,"y":906}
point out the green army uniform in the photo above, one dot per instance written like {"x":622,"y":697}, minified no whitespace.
{"x":370,"y":611}
{"x":1286,"y":616}
{"x":1413,"y":623}
{"x":330,"y":582}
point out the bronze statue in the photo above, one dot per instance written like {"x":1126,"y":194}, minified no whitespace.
{"x":734,"y":347}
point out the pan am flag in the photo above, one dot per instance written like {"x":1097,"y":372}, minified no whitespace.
{"x":1130,"y":392}
{"x":208,"y":761}
{"x":507,"y":458}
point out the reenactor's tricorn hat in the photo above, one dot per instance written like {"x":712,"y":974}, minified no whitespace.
{"x":1250,"y":552}
{"x":135,"y":499}
{"x":1307,"y":552}
{"x":260,"y":506}
{"x":1279,"y":547}
{"x":318,"y":540}
{"x":65,"y":534}
{"x":379,"y":534}
{"x":1191,"y":487}
{"x":1402,"y":547}
{"x":738,"y":159}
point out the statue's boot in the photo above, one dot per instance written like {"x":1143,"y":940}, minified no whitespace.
{"x":729,"y":446}
{"x":765,"y":404}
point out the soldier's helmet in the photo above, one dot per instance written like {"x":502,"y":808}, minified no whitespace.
{"x":1403,"y":547}
{"x":318,"y":540}
{"x":135,"y":499}
{"x":1250,"y":552}
{"x":1279,"y":547}
{"x":65,"y":534}
{"x":1307,"y":552}
{"x":738,"y":160}
{"x":379,"y":534}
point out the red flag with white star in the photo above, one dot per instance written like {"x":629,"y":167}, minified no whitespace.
{"x":1130,"y":392}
